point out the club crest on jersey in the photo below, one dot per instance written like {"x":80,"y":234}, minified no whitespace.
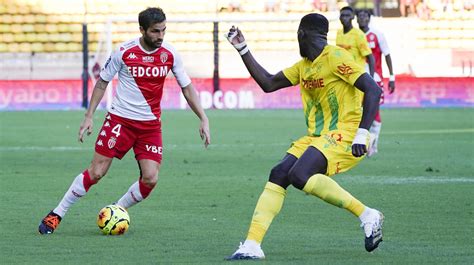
{"x":112,"y":142}
{"x":163,"y":57}
{"x":148,"y":59}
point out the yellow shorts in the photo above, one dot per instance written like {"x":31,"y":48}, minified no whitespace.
{"x":336,"y":146}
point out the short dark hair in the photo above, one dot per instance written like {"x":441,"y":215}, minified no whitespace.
{"x":316,"y":22}
{"x":367,"y":11}
{"x":347,"y":8}
{"x":150,"y":16}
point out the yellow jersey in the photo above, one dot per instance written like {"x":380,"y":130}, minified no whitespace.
{"x":330,"y":100}
{"x":356,"y":43}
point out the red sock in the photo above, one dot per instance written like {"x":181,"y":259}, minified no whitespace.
{"x":144,"y":188}
{"x":87,"y":181}
{"x":377,"y":117}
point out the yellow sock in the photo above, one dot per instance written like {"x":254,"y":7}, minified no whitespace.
{"x":268,"y":206}
{"x":328,"y":190}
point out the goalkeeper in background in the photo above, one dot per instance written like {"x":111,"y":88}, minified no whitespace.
{"x":337,"y":138}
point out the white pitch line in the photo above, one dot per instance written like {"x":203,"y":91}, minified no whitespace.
{"x":168,"y":146}
{"x":382,"y":180}
{"x":233,"y":145}
{"x":441,"y":131}
{"x":400,"y":180}
{"x":43,"y":148}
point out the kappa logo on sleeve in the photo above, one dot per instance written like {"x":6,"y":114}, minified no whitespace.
{"x":344,"y":69}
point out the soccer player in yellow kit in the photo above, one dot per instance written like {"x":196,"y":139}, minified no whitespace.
{"x":337,"y":135}
{"x":354,"y":40}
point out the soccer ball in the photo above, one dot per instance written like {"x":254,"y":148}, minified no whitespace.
{"x":113,"y":220}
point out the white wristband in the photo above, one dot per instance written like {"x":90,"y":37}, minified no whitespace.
{"x":244,"y":50}
{"x":361,"y":137}
{"x":239,"y":46}
{"x":392,"y":78}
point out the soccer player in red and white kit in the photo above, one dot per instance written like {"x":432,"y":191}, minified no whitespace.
{"x":133,"y":120}
{"x":379,"y":46}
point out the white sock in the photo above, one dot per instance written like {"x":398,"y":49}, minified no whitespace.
{"x":375,"y":129}
{"x":73,"y":194}
{"x":366,"y":214}
{"x":252,"y":243}
{"x":132,"y":197}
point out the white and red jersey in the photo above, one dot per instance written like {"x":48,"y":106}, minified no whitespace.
{"x":379,"y":46}
{"x":141,"y":77}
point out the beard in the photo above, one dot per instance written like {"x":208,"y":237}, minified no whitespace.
{"x":149,"y":42}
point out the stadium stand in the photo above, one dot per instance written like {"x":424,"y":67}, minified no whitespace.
{"x":55,"y":26}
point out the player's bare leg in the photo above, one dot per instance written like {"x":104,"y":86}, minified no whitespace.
{"x":79,"y":187}
{"x":268,"y":206}
{"x":142,"y":188}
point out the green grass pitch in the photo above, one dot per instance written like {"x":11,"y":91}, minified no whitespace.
{"x":422,"y":179}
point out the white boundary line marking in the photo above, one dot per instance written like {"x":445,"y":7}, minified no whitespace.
{"x":346,"y":178}
{"x":400,"y":180}
{"x":167,"y":146}
{"x":233,"y":145}
{"x":438,"y":131}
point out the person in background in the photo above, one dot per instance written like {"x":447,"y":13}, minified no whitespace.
{"x":353,"y":40}
{"x":379,"y":46}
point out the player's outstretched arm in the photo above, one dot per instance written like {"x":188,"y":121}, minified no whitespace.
{"x":265,"y":80}
{"x":391,"y":82}
{"x":192,"y":98}
{"x":372,"y":93}
{"x":97,"y":95}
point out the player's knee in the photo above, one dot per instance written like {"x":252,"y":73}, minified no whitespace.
{"x":96,"y":173}
{"x":277,"y":174}
{"x":150,"y":178}
{"x":297,"y":177}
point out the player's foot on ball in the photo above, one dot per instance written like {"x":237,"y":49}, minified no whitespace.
{"x":373,"y":230}
{"x":247,"y":251}
{"x":49,"y":223}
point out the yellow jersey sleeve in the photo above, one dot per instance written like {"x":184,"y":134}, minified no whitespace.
{"x":293,"y":73}
{"x":363,"y":45}
{"x":342,"y":64}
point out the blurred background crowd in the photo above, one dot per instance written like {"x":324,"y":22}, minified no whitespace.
{"x":37,"y":36}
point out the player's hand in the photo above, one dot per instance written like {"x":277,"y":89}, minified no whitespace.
{"x":359,"y":144}
{"x":204,"y":132}
{"x":86,"y":126}
{"x":391,"y":86}
{"x":236,"y":38}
